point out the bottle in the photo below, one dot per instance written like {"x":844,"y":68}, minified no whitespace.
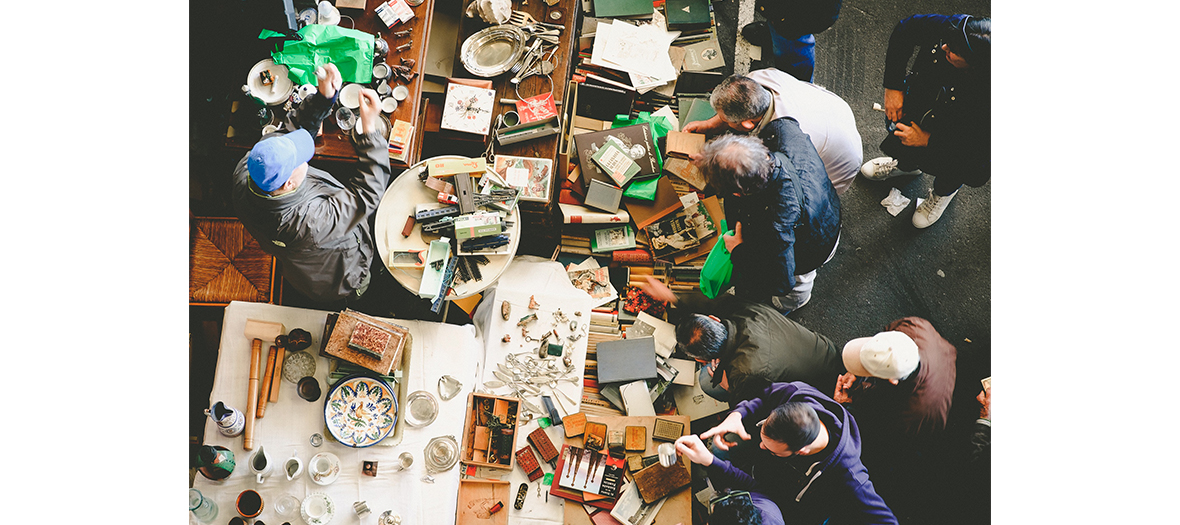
{"x":203,"y":508}
{"x":215,"y":462}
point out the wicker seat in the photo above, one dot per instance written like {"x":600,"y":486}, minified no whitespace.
{"x":226,"y":264}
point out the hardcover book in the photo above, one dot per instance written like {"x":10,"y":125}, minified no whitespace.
{"x":611,"y":239}
{"x":687,"y":14}
{"x":637,"y":142}
{"x":531,"y":176}
{"x":617,"y":8}
{"x":626,"y":360}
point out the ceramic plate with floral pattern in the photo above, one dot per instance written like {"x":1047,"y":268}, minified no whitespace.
{"x":360,"y":411}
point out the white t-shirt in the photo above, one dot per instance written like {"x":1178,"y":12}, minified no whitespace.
{"x":823,"y":116}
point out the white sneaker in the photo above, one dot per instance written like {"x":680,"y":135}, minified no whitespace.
{"x":931,"y":209}
{"x":882,"y":168}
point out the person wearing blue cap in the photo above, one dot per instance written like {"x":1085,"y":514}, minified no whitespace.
{"x":318,"y":226}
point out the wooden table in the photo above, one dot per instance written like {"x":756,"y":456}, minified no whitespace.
{"x":334,"y":144}
{"x":678,"y":506}
{"x":534,"y":213}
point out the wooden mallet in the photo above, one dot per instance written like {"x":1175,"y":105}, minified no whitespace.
{"x":259,"y":331}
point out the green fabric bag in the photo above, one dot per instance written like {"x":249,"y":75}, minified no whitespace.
{"x":645,"y":189}
{"x":351,"y":50}
{"x":718,"y":268}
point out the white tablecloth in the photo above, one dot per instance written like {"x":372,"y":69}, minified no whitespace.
{"x":549,"y":283}
{"x":288,"y":424}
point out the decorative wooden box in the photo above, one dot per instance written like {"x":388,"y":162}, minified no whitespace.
{"x":489,"y":434}
{"x":476,"y":499}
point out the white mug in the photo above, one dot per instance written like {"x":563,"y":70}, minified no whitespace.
{"x":316,"y":508}
{"x":260,"y":464}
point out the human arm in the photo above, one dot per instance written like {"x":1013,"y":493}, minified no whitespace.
{"x":370,"y":110}
{"x":314,"y":109}
{"x":913,"y":136}
{"x":712,"y":126}
{"x":843,"y":385}
{"x":694,"y":449}
{"x":894,"y":100}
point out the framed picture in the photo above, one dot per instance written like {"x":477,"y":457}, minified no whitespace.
{"x":532,"y":177}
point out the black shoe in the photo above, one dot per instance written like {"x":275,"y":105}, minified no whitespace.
{"x":757,"y":33}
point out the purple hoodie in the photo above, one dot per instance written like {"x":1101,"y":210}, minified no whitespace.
{"x":836,"y":485}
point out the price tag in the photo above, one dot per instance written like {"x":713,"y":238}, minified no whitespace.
{"x":518,"y":177}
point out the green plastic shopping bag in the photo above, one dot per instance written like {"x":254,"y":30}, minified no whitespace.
{"x":718,"y":268}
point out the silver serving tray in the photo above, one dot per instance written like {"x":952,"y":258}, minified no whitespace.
{"x":493,"y":51}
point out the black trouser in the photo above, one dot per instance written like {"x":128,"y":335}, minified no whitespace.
{"x":949,"y":169}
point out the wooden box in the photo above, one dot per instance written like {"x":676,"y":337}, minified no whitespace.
{"x":489,"y":433}
{"x":574,"y":424}
{"x":476,"y":498}
{"x":636,"y":438}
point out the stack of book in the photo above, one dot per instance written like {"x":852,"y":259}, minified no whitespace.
{"x":399,"y":139}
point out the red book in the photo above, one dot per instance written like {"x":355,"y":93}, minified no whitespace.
{"x":636,"y":255}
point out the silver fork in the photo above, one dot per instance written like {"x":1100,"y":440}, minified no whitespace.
{"x":521,"y":18}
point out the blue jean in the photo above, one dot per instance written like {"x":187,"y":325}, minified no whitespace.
{"x":794,"y":56}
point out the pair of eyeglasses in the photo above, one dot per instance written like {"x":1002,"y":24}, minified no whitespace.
{"x":732,"y":494}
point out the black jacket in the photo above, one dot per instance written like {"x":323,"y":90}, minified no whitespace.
{"x":779,"y":242}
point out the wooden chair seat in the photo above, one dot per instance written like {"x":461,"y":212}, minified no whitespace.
{"x":226,"y":264}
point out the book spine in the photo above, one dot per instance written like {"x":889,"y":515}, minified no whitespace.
{"x":633,"y":255}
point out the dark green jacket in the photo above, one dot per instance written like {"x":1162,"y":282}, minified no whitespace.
{"x":763,"y":346}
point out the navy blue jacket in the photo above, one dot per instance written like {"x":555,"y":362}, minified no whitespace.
{"x":837,"y":485}
{"x":779,"y":242}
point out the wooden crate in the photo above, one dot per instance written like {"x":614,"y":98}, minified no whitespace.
{"x":478,"y":437}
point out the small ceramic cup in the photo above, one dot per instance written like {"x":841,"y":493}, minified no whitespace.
{"x":389,"y":104}
{"x":381,"y":71}
{"x":316,"y":508}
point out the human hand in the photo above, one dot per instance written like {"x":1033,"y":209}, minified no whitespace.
{"x":985,"y":404}
{"x":893,"y":102}
{"x":912,"y":135}
{"x":732,"y":423}
{"x":328,"y":80}
{"x":732,"y":241}
{"x":694,"y":449}
{"x":713,"y":125}
{"x":657,"y":290}
{"x":370,"y":110}
{"x":843,"y":383}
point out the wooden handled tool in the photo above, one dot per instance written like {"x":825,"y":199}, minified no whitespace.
{"x":264,"y":393}
{"x":277,"y":376}
{"x":258,"y":331}
{"x":252,"y":394}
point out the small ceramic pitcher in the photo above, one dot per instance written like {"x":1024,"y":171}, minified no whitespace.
{"x":292,"y":467}
{"x":230,"y":422}
{"x":260,"y":464}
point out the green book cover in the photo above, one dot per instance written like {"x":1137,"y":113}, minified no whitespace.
{"x":700,"y":110}
{"x":616,"y":163}
{"x":614,"y":8}
{"x":611,"y":239}
{"x":687,"y":12}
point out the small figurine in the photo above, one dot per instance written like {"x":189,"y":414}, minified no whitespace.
{"x":507,"y":338}
{"x":527,"y":319}
{"x":533,"y":303}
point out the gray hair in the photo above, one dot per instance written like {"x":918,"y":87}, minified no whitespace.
{"x":735,"y":164}
{"x":738,"y":98}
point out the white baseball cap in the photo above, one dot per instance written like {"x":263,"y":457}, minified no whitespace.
{"x":887,"y":355}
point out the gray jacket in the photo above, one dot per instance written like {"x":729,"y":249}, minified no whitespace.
{"x":320,"y":231}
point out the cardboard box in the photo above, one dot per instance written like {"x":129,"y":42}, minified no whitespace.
{"x":481,"y":409}
{"x":477,"y":225}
